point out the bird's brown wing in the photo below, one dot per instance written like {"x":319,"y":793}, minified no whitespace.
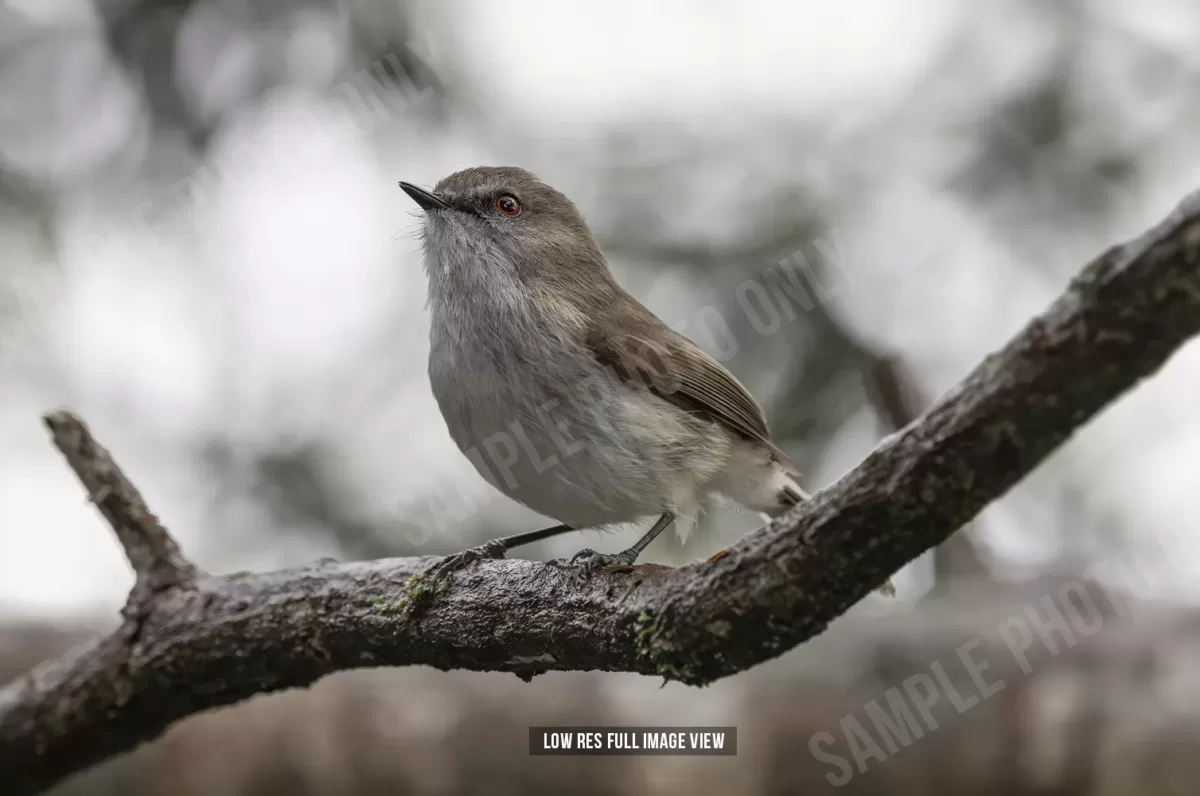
{"x":639,"y":348}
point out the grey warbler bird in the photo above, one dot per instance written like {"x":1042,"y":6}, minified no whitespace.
{"x":566,"y":393}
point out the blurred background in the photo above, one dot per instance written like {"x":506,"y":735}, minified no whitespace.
{"x":204,"y":253}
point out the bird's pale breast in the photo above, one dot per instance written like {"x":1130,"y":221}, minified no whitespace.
{"x":555,"y":431}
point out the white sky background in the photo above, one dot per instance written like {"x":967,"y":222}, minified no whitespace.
{"x":586,"y":64}
{"x":243,"y":315}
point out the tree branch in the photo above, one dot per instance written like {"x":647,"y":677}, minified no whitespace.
{"x":899,"y":401}
{"x":201,"y":642}
{"x":157,"y":561}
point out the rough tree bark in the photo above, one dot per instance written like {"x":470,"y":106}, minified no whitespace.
{"x":899,"y":401}
{"x":190,"y":641}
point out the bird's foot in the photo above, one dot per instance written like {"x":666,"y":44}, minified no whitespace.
{"x":589,"y":562}
{"x":496,"y":548}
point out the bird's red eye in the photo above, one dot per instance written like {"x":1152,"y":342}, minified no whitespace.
{"x":508,"y":205}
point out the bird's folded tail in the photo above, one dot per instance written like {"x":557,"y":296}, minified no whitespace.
{"x":792,"y":495}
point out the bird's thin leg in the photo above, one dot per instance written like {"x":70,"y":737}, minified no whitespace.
{"x":661,"y":525}
{"x":496,"y":548}
{"x":506,"y":543}
{"x":591,"y":560}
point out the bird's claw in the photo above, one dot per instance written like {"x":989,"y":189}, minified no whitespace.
{"x":452,"y":563}
{"x":590,"y":562}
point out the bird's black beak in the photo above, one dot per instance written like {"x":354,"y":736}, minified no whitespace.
{"x":426,"y":199}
